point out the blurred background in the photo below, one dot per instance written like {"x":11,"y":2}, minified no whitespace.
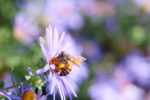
{"x":114,"y":35}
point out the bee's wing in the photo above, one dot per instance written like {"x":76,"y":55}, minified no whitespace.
{"x":75,"y":63}
{"x":77,"y":60}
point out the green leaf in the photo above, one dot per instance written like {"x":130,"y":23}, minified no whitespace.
{"x":2,"y":84}
{"x":31,"y":74}
{"x":27,"y":77}
{"x":1,"y":96}
{"x":12,"y":75}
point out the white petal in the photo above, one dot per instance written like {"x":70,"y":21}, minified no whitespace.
{"x":53,"y":83}
{"x":72,"y":90}
{"x":49,"y":37}
{"x":43,"y":70}
{"x":59,"y":89}
{"x":55,"y":42}
{"x":44,"y":48}
{"x":61,"y":39}
{"x":66,"y":88}
{"x":66,"y":46}
{"x":54,"y":93}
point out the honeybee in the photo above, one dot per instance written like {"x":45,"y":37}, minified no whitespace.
{"x":63,"y":63}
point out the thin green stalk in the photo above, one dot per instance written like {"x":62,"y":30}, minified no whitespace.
{"x":12,"y":76}
{"x":11,"y":87}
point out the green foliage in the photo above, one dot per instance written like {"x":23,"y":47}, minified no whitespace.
{"x":7,"y":12}
{"x":2,"y":83}
{"x":34,"y":80}
{"x":138,"y":35}
{"x":2,"y":96}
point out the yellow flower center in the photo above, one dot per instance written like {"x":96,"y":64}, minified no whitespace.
{"x":28,"y":95}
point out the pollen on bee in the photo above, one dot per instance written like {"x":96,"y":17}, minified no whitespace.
{"x":61,"y":65}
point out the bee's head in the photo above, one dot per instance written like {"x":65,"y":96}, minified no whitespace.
{"x":52,"y":60}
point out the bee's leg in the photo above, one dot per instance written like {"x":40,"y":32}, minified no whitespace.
{"x":57,"y":69}
{"x":68,"y":70}
{"x":62,"y":74}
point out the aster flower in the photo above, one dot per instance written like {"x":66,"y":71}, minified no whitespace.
{"x":29,"y":94}
{"x":62,"y":63}
{"x":27,"y":90}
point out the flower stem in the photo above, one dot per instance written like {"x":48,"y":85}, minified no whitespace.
{"x":11,"y":87}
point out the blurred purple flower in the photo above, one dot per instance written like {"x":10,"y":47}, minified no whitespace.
{"x":63,"y":14}
{"x":9,"y":95}
{"x":25,"y":30}
{"x":115,"y":87}
{"x":92,"y":50}
{"x":57,"y":43}
{"x":29,"y":71}
{"x":103,"y":91}
{"x":36,"y":14}
{"x":138,"y":67}
{"x":7,"y":78}
{"x":111,"y":24}
{"x":96,"y":8}
{"x":143,"y":4}
{"x":25,"y":88}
